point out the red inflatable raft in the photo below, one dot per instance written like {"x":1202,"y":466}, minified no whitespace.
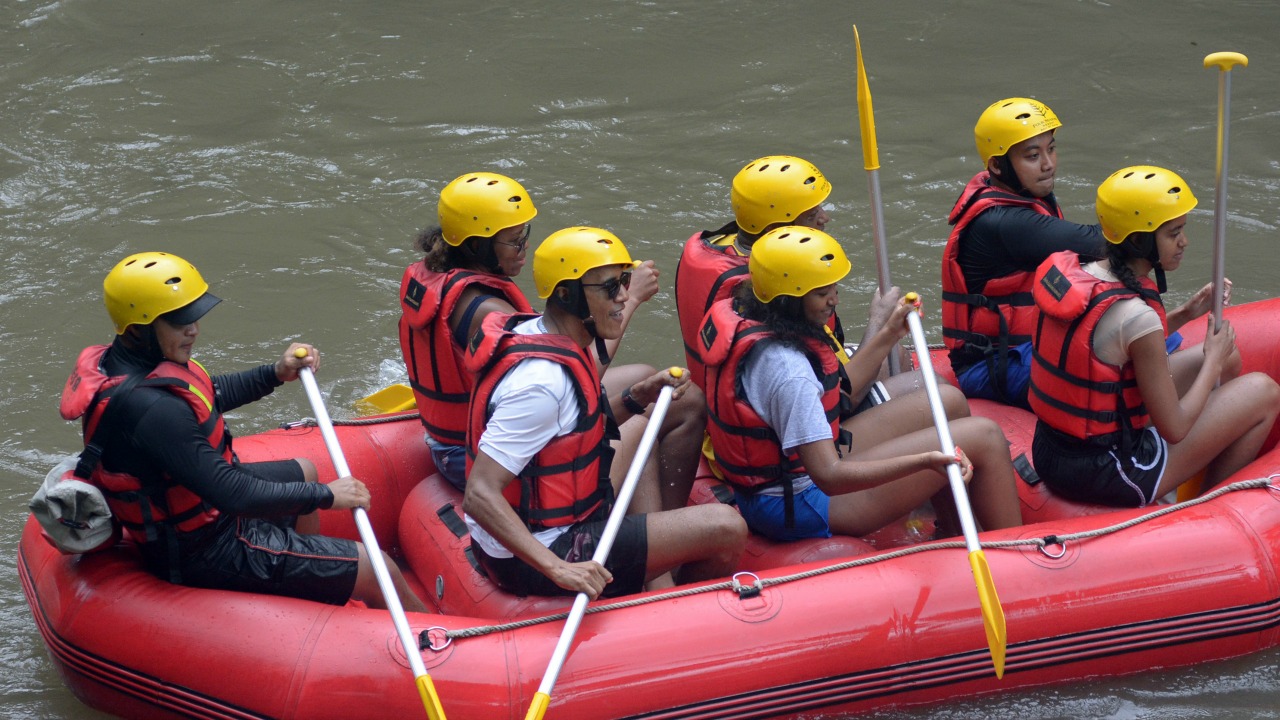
{"x":816,"y":629}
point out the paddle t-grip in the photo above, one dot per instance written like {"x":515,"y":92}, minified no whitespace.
{"x":1224,"y":61}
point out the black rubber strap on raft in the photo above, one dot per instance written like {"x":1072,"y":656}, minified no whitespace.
{"x":1023,"y":467}
{"x":452,"y":520}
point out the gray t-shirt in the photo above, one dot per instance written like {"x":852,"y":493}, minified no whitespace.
{"x":780,"y":386}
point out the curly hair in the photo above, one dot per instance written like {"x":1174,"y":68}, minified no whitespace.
{"x":783,"y":315}
{"x":439,"y":256}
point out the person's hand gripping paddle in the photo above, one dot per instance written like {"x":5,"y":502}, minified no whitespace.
{"x":426,"y":689}
{"x":992,"y":614}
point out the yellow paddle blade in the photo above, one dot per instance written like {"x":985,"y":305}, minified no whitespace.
{"x":393,"y":398}
{"x":538,"y":708}
{"x":992,"y":613}
{"x":430,"y":700}
{"x":866,"y":116}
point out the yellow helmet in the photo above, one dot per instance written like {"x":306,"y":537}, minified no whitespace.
{"x":1140,"y":199}
{"x":481,"y":204}
{"x":776,"y":189}
{"x":793,"y":260}
{"x":142,"y":287}
{"x":1010,"y":121}
{"x":569,"y":253}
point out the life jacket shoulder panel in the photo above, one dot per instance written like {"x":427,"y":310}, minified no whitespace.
{"x":707,"y":272}
{"x":440,"y":385}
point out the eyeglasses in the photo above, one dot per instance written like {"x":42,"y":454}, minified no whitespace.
{"x":613,"y":286}
{"x":521,"y":242}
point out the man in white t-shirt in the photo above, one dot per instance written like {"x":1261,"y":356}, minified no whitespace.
{"x":538,"y":487}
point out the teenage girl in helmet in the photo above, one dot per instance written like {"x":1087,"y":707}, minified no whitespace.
{"x":538,"y":489}
{"x":470,"y":260}
{"x":768,"y":193}
{"x":1005,"y":223}
{"x":774,"y":408}
{"x":1121,"y":422}
{"x":200,"y":517}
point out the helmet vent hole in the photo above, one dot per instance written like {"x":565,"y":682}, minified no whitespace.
{"x":514,"y":199}
{"x":472,"y":179}
{"x":173,"y":281}
{"x":827,"y":258}
{"x":1023,"y":116}
{"x":1128,"y":175}
{"x":764,"y":167}
{"x":784,"y":168}
{"x":1175,"y":190}
{"x":1148,"y":176}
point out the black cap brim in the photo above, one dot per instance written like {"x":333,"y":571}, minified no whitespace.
{"x":193,"y":311}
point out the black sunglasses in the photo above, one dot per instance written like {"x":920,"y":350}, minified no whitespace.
{"x":521,"y":242}
{"x":613,"y":286}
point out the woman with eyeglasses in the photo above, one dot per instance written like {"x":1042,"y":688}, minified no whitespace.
{"x":799,"y":471}
{"x":466,"y":273}
{"x":540,"y":461}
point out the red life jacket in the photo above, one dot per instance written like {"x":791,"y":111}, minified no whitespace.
{"x":747,"y":449}
{"x":705,"y":274}
{"x":146,"y":506}
{"x":568,"y":480}
{"x":1002,"y":313}
{"x":1072,"y":391}
{"x":440,"y":385}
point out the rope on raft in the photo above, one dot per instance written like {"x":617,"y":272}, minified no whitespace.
{"x":1040,"y":543}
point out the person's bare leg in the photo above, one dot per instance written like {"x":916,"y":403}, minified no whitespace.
{"x":369,"y":592}
{"x":308,"y":524}
{"x":1228,"y":434}
{"x":699,"y":542}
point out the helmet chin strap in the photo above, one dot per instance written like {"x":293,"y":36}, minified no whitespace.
{"x":1008,"y":176}
{"x":578,"y":308}
{"x":1154,"y":257}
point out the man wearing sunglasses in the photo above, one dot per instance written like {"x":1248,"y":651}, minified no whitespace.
{"x":540,"y":460}
{"x":467,"y":272}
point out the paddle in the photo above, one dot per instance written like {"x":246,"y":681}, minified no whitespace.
{"x":992,"y":613}
{"x":1224,"y":61}
{"x":426,"y":689}
{"x":538,"y":708}
{"x":871,"y":161}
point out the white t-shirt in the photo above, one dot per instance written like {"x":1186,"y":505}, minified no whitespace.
{"x":1122,"y":323}
{"x":780,"y":386}
{"x":524,"y":402}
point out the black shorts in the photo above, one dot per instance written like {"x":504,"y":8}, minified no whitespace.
{"x":269,"y":556}
{"x":626,"y":561}
{"x":876,"y":395}
{"x":1098,"y":474}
